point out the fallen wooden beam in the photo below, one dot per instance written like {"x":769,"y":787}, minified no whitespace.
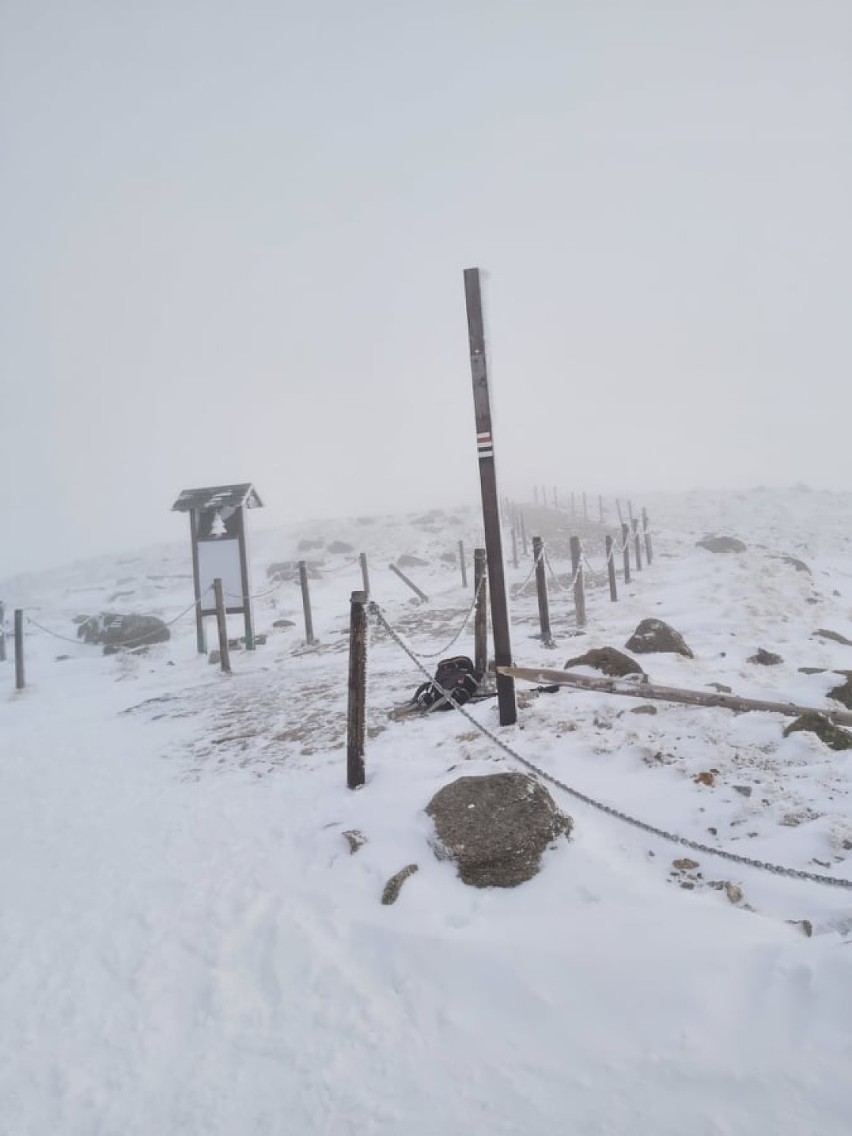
{"x":647,"y":690}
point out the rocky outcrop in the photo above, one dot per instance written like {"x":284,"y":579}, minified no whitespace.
{"x":654,"y":636}
{"x":765,"y":658}
{"x":608,"y":660}
{"x":721,"y":544}
{"x":495,"y":827}
{"x":833,"y":736}
{"x":114,"y":630}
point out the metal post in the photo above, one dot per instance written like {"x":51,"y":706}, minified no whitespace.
{"x":357,"y":704}
{"x":306,"y":603}
{"x":610,"y":569}
{"x":222,"y":627}
{"x":480,"y":617}
{"x":579,"y":584}
{"x":507,"y":706}
{"x":541,"y":591}
{"x":19,"y":649}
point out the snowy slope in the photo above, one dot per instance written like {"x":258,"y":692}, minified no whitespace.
{"x":188,"y":946}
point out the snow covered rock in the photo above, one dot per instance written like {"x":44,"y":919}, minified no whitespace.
{"x":843,"y":693}
{"x":609,"y":660}
{"x":833,"y":736}
{"x":765,"y":658}
{"x":721,"y":544}
{"x":495,"y":827}
{"x":113,"y":630}
{"x":654,"y":636}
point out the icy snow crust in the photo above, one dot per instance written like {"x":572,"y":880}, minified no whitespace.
{"x":187,"y":944}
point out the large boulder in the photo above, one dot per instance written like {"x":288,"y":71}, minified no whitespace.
{"x":608,"y":660}
{"x":113,"y":630}
{"x":495,"y":827}
{"x":833,"y":736}
{"x":654,"y":636}
{"x":721,"y":544}
{"x":843,"y":693}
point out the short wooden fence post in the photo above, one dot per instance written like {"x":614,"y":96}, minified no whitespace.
{"x":625,"y":540}
{"x":649,"y":552}
{"x":356,"y":715}
{"x":523,"y":535}
{"x":19,"y":649}
{"x":365,"y":575}
{"x":541,"y":590}
{"x":2,"y":632}
{"x":610,"y":569}
{"x":637,"y":545}
{"x":222,"y":627}
{"x":306,"y":603}
{"x":600,"y":509}
{"x":480,"y":617}
{"x":462,"y":564}
{"x":579,"y":584}
{"x":420,"y":595}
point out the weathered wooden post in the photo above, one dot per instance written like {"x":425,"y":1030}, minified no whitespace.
{"x":541,"y":591}
{"x":306,"y":603}
{"x":618,"y":510}
{"x":420,"y":595}
{"x":480,"y":614}
{"x":573,"y":506}
{"x":579,"y":585}
{"x":222,"y":626}
{"x":637,"y":544}
{"x":365,"y":575}
{"x":507,"y":706}
{"x":630,"y":511}
{"x":2,"y":632}
{"x":19,"y":649}
{"x":523,"y":534}
{"x":625,"y":540}
{"x":600,"y":509}
{"x":610,"y":569}
{"x":462,"y":564}
{"x":649,"y":556}
{"x":356,"y":716}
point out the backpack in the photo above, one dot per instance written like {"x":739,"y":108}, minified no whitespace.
{"x":455,"y":677}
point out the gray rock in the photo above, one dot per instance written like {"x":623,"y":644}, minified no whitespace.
{"x":495,"y":827}
{"x":609,"y":660}
{"x":215,"y":656}
{"x":282,"y":623}
{"x":394,"y":884}
{"x":340,"y":546}
{"x":843,"y":693}
{"x":721,"y":544}
{"x":307,"y":543}
{"x":835,"y":737}
{"x":113,"y":630}
{"x":655,"y":636}
{"x":832,"y":636}
{"x":409,"y":561}
{"x":799,"y":565}
{"x":765,"y":658}
{"x":720,"y":687}
{"x":355,"y":839}
{"x":644,"y":709}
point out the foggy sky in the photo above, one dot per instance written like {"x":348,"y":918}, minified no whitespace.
{"x":232,"y":238}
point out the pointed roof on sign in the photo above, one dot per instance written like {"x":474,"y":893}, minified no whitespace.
{"x":218,"y":497}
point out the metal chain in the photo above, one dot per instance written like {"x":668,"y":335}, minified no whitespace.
{"x":671,"y":837}
{"x":458,"y":634}
{"x":125,"y":642}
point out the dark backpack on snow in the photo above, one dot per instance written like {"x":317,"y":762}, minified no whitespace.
{"x":454,"y":677}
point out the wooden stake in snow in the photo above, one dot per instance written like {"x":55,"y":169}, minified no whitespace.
{"x":462,"y":564}
{"x":610,"y":569}
{"x":541,"y":591}
{"x":2,"y":632}
{"x":365,"y":575}
{"x":480,"y":616}
{"x":222,"y":627}
{"x":19,"y":649}
{"x":600,"y":509}
{"x":306,"y":603}
{"x":648,"y":549}
{"x":647,"y":690}
{"x":356,"y":715}
{"x":625,"y":540}
{"x":523,"y":534}
{"x":420,"y":595}
{"x":579,"y":585}
{"x":637,"y":545}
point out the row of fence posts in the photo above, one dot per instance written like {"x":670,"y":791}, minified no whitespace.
{"x":540,"y":497}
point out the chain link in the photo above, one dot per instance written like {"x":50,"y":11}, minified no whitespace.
{"x":653,"y":830}
{"x":125,"y":642}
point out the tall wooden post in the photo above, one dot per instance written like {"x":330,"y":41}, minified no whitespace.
{"x":356,"y":716}
{"x":248,"y":614}
{"x":649,"y":552}
{"x":480,"y":616}
{"x":579,"y":583}
{"x":637,"y":545}
{"x":200,"y":637}
{"x":610,"y":569}
{"x":19,"y":649}
{"x":541,"y":591}
{"x":306,"y":603}
{"x":625,"y":540}
{"x":222,"y":627}
{"x":488,"y":484}
{"x":523,"y":535}
{"x":2,"y":632}
{"x":365,"y":575}
{"x":462,"y":564}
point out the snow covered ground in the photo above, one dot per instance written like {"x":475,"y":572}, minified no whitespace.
{"x":187,"y":944}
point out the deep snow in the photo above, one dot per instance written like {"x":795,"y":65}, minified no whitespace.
{"x":188,"y":946}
